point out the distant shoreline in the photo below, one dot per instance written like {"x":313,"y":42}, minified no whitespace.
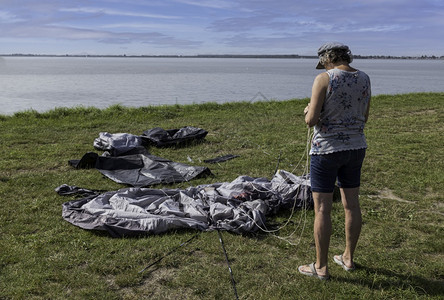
{"x":286,"y":56}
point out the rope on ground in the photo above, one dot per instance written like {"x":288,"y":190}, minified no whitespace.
{"x":233,"y":282}
{"x":173,"y":250}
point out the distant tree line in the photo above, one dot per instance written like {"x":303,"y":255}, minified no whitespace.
{"x":229,"y":56}
{"x":398,"y":57}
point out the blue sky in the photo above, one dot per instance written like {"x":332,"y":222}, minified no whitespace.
{"x":191,"y":27}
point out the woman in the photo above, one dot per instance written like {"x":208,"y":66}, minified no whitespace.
{"x":338,"y":110}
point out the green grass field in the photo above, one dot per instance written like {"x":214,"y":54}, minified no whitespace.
{"x":400,"y":254}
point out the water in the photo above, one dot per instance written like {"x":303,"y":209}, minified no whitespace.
{"x":43,"y":83}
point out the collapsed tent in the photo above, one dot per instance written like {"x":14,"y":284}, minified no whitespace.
{"x":140,"y":169}
{"x":127,"y":161}
{"x":173,"y":137}
{"x":239,"y":206}
{"x":116,"y":144}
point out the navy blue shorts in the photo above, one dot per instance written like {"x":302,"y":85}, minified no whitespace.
{"x":345,"y":166}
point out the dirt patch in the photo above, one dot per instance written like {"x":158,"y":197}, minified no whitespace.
{"x":156,"y":285}
{"x":424,"y":112}
{"x":438,"y":208}
{"x":430,"y":194}
{"x":439,"y":205}
{"x":388,"y":194}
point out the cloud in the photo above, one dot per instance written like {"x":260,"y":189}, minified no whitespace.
{"x":273,"y":22}
{"x":217,"y":4}
{"x":223,"y":25}
{"x":7,"y":17}
{"x":112,"y":12}
{"x":101,"y":36}
{"x":142,"y":26}
{"x":344,"y":15}
{"x":382,"y":28}
{"x":278,"y":24}
{"x":261,"y":42}
{"x":87,"y":24}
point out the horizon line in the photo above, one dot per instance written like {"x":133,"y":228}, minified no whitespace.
{"x":219,"y":56}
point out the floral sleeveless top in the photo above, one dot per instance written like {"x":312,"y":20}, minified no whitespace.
{"x":342,"y":120}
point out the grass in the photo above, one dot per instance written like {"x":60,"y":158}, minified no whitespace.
{"x":400,"y":254}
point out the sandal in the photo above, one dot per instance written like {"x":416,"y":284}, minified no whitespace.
{"x":338,"y":259}
{"x":313,"y":272}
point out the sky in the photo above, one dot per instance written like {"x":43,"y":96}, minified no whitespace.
{"x":196,"y":27}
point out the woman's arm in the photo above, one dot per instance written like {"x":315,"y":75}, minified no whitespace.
{"x":318,"y":91}
{"x":368,"y":110}
{"x":368,"y":104}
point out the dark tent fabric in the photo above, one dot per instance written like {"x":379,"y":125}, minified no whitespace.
{"x":68,"y":190}
{"x":173,"y":137}
{"x":127,"y":161}
{"x":118,"y":143}
{"x":239,"y":206}
{"x":140,"y":169}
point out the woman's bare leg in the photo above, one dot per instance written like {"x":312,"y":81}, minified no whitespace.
{"x":322,"y":229}
{"x":353,"y":223}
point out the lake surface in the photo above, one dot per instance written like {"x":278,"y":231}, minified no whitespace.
{"x":43,"y":83}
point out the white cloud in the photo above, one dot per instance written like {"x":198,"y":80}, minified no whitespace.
{"x":218,"y":4}
{"x":7,"y":17}
{"x":112,"y":12}
{"x":383,"y":28}
{"x":239,"y":26}
{"x":154,"y":26}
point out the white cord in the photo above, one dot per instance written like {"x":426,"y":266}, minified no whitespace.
{"x":303,"y":218}
{"x":304,"y":208}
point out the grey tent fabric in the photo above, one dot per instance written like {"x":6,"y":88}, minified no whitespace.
{"x":127,"y":161}
{"x":117,"y":143}
{"x":239,"y":206}
{"x":140,"y":169}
